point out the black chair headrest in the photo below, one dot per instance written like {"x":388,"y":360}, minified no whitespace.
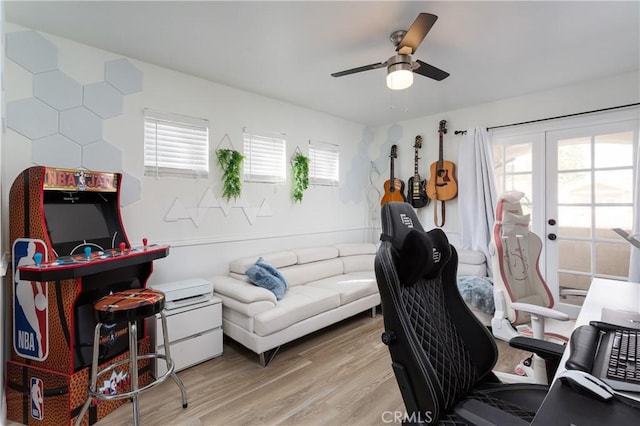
{"x":417,"y":253}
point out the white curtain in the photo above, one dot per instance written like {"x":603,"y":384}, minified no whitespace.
{"x":477,"y":194}
{"x":634,"y":262}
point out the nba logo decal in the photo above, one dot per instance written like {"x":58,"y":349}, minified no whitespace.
{"x":30,"y":304}
{"x":37,"y":398}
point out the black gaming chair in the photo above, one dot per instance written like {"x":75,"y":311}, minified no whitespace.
{"x":442,"y":356}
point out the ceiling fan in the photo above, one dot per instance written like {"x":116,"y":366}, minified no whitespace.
{"x":401,"y":67}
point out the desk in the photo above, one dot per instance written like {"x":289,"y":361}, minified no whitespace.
{"x":563,"y":405}
{"x":604,"y":294}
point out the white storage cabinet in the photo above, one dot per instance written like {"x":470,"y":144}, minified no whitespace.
{"x":195,"y":334}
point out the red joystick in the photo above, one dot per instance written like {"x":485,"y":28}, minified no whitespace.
{"x":144,"y":242}
{"x":122,"y":247}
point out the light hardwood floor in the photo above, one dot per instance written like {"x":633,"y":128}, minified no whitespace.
{"x":338,"y":376}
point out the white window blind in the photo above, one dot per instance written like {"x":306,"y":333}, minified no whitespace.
{"x":264,"y":157}
{"x":324,"y":162}
{"x":175,"y":145}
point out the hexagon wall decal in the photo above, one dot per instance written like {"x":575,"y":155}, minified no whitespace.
{"x":32,"y":51}
{"x":57,"y":89}
{"x":131,"y":189}
{"x":32,"y":118}
{"x":103,"y":99}
{"x":102,"y":156}
{"x":122,"y":75}
{"x":56,"y":151}
{"x":81,"y":125}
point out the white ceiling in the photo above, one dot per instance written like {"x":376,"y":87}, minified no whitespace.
{"x":287,"y":50}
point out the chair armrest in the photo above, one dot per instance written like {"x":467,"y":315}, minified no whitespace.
{"x":573,"y":292}
{"x":482,"y":414}
{"x":240,"y":290}
{"x":542,"y":348}
{"x":541,"y":311}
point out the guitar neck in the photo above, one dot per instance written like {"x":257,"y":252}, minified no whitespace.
{"x":415,"y":165}
{"x":440,"y":153}
{"x":391,"y":178}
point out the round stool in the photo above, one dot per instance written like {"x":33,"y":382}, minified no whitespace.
{"x":130,"y":306}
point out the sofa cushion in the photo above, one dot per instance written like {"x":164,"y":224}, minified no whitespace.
{"x":314,"y":254}
{"x":302,"y":274}
{"x":357,"y":263}
{"x":301,"y":302}
{"x":351,"y":287}
{"x":278,"y":259}
{"x":351,"y":249}
{"x":264,"y":277}
{"x":471,"y":257}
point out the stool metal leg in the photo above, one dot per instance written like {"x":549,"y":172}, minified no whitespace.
{"x":94,"y":374}
{"x":169,"y":360}
{"x":133,"y":368}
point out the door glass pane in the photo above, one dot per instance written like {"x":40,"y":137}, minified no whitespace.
{"x":574,"y":221}
{"x":518,"y":158}
{"x":574,"y":255}
{"x":513,"y":167}
{"x":574,"y":187}
{"x":609,"y":217}
{"x":614,"y":186}
{"x":574,"y":154}
{"x":612,"y":259}
{"x":519,"y":182}
{"x":614,"y":150}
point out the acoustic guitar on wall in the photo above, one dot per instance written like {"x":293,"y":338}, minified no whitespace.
{"x":442,"y":185}
{"x":416,"y":188}
{"x":393,"y":188}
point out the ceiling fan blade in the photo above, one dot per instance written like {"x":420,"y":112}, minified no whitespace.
{"x":430,"y":71}
{"x":360,"y":69}
{"x":416,"y":33}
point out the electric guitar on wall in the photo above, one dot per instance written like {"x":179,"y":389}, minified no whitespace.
{"x":393,"y":188}
{"x":416,"y":188}
{"x":442,"y":185}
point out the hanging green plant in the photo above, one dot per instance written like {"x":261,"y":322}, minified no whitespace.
{"x":231,"y":162}
{"x":300,"y":165}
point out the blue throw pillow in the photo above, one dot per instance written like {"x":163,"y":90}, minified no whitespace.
{"x":262,"y":278}
{"x":272,"y":271}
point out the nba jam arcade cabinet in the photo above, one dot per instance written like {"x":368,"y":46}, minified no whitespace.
{"x":69,"y":249}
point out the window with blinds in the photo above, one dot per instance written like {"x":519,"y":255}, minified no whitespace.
{"x":175,"y":145}
{"x":264,"y":157}
{"x":324,"y":162}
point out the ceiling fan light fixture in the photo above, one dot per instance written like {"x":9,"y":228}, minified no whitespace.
{"x":399,"y":72}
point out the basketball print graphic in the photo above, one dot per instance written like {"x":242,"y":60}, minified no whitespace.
{"x":30,"y":303}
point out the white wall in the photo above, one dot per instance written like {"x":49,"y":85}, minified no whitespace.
{"x":326,"y":214}
{"x":585,"y":96}
{"x":4,"y":316}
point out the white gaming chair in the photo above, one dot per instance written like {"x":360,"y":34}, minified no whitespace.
{"x":523,"y":300}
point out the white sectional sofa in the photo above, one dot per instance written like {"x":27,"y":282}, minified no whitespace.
{"x":326,"y":285}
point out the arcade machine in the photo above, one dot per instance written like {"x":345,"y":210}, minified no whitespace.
{"x":69,"y":248}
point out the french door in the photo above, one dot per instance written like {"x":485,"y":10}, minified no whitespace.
{"x":589,"y":191}
{"x":578,"y":180}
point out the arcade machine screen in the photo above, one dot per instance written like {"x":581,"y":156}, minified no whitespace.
{"x":76,"y":220}
{"x":79,"y":219}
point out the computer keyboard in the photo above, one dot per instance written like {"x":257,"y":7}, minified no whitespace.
{"x":624,"y":360}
